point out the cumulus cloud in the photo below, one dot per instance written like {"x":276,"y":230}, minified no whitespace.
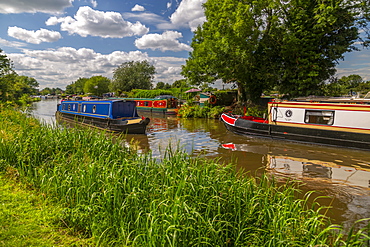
{"x":34,"y":37}
{"x":138,"y":7}
{"x":60,"y":67}
{"x":190,"y":13}
{"x":168,"y":41}
{"x":33,"y":6}
{"x":98,"y":23}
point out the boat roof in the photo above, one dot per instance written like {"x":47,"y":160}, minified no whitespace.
{"x":316,"y":99}
{"x":100,"y":101}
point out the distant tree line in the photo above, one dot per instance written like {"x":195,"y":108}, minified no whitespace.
{"x":13,"y":87}
{"x":127,"y":77}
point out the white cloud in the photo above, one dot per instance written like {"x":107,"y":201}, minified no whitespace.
{"x":357,"y":63}
{"x":169,"y":4}
{"x":145,"y":17}
{"x":33,"y":6}
{"x":34,"y":37}
{"x":13,"y":44}
{"x":98,"y":23}
{"x":168,"y":41}
{"x":190,"y":13}
{"x":94,"y":3}
{"x":138,"y":7}
{"x":168,"y":69}
{"x":60,"y":67}
{"x":52,"y":21}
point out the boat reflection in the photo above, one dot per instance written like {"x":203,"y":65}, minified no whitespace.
{"x":320,"y":166}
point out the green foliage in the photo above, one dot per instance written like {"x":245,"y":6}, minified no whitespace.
{"x":97,"y":85}
{"x":251,"y":110}
{"x":6,"y":66}
{"x":162,"y":85}
{"x":351,"y":82}
{"x":226,"y":97}
{"x":17,"y":89}
{"x":345,"y":85}
{"x":132,"y":75}
{"x":77,"y":87}
{"x":13,"y":87}
{"x":180,"y":84}
{"x":196,"y":111}
{"x":124,"y":199}
{"x":259,"y":45}
{"x":139,"y":93}
{"x":52,"y":91}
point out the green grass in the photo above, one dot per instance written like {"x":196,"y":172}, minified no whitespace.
{"x":113,"y":195}
{"x":27,"y":219}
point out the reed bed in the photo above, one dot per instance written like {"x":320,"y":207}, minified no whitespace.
{"x":121,"y":198}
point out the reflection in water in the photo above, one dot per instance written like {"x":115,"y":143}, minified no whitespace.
{"x":45,"y":110}
{"x":314,"y":169}
{"x":191,"y":136}
{"x":342,"y":174}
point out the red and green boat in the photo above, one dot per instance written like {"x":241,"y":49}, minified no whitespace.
{"x":166,"y":104}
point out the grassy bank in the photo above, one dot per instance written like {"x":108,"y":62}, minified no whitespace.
{"x":117,"y":197}
{"x":28,"y":219}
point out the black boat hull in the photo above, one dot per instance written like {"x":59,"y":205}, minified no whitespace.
{"x":299,"y":134}
{"x":110,"y":125}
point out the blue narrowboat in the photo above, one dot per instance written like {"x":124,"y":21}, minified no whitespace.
{"x":110,"y":115}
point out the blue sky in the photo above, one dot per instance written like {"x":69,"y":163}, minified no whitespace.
{"x":58,"y":41}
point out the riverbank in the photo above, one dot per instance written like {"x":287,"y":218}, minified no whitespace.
{"x":117,"y":197}
{"x":29,"y":219}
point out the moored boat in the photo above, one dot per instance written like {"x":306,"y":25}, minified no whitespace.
{"x":166,"y":104}
{"x":109,"y":115}
{"x":328,"y":123}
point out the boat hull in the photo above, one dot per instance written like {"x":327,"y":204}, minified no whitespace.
{"x":130,"y":126}
{"x":241,"y":126}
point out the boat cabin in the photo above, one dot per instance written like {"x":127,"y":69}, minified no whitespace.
{"x":106,"y":109}
{"x":353,"y":117}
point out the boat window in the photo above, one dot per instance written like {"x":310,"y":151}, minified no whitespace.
{"x":64,"y":106}
{"x":84,"y":108}
{"x":94,"y":108}
{"x":319,"y":117}
{"x":146,"y":103}
{"x":69,"y":107}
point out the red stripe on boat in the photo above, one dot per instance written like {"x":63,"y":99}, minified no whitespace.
{"x":228,"y":120}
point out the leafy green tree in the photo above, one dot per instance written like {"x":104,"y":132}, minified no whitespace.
{"x":160,"y":85}
{"x":12,"y":86}
{"x":180,"y":84}
{"x":351,"y":82}
{"x":6,"y":65}
{"x":76,"y":87}
{"x":6,"y":71}
{"x":290,"y":45}
{"x":133,"y":75}
{"x":27,"y":85}
{"x":97,"y":85}
{"x":46,"y":91}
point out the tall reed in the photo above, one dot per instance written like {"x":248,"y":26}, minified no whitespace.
{"x":121,"y":198}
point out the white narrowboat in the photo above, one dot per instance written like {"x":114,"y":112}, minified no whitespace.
{"x":334,"y":123}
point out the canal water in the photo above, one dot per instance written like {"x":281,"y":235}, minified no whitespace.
{"x":341,"y":176}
